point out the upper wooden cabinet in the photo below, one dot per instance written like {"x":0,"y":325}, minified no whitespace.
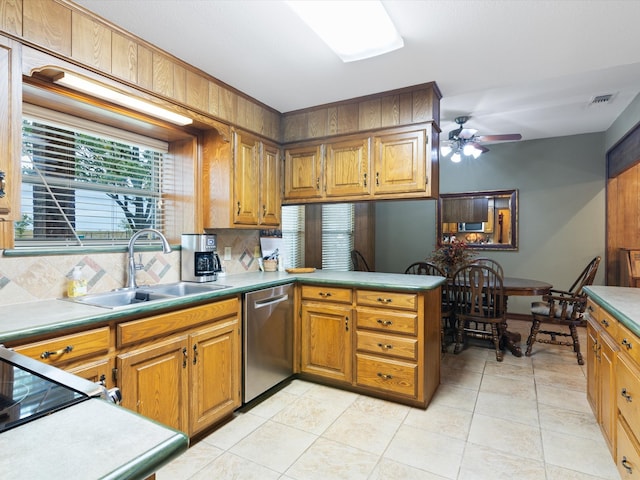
{"x":241,"y":183}
{"x":10,"y":127}
{"x":387,"y":164}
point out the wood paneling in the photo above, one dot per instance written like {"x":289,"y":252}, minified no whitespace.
{"x":48,"y":23}
{"x":124,"y":57}
{"x":11,"y":16}
{"x":90,"y":42}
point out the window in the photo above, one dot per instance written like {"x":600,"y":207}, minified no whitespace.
{"x":337,"y":235}
{"x":86,"y":183}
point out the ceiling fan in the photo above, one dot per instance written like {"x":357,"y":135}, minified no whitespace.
{"x":465,"y":141}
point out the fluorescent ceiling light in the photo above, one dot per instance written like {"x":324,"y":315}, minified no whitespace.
{"x":354,"y":30}
{"x":83,"y":85}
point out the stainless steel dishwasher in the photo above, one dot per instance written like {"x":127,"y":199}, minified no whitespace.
{"x":268,"y":339}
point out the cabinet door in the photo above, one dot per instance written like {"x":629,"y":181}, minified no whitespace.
{"x":215,"y":376}
{"x":10,"y":128}
{"x":326,"y":340}
{"x":97,"y":372}
{"x":400,"y":162}
{"x":154,"y":381}
{"x":270,"y":201}
{"x":245,"y":186}
{"x":607,"y":389}
{"x":303,"y":172}
{"x":592,"y":366}
{"x":347,"y":168}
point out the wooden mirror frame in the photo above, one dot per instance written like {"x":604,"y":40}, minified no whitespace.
{"x":486,"y":240}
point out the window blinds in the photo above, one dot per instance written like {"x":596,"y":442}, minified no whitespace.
{"x":337,"y":236}
{"x":293,"y":235}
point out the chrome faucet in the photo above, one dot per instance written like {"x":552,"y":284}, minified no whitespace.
{"x":133,"y":266}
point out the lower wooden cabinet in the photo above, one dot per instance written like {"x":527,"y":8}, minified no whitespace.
{"x":190,"y":380}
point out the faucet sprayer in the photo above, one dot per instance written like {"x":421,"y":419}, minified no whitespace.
{"x":131,"y":274}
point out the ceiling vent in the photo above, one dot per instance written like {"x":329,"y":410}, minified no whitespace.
{"x":601,"y":99}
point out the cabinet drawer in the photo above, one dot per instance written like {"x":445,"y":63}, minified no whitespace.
{"x":382,"y":320}
{"x":628,"y":393}
{"x":404,"y":301}
{"x":387,"y":345}
{"x":607,"y":322}
{"x":387,"y":374}
{"x":331,"y":294}
{"x":70,"y":347}
{"x":162,"y":325}
{"x":627,"y":454}
{"x":628,"y":342}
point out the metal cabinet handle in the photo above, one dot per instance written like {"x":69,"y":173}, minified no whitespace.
{"x":318,"y":183}
{"x":625,"y":463}
{"x":385,"y":376}
{"x":386,"y":323}
{"x":377,"y":179}
{"x":49,"y":353}
{"x":385,"y":346}
{"x":365,"y":179}
{"x":184,"y":357}
{"x":195,"y":354}
{"x":384,"y":300}
{"x":604,"y":322}
{"x":238,"y":208}
{"x":627,"y":343}
{"x":346,"y":324}
{"x":324,"y":294}
{"x":625,"y":395}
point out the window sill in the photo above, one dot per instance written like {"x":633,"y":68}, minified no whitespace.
{"x":84,"y":250}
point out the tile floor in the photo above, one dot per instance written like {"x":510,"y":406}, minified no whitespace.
{"x":525,"y":418}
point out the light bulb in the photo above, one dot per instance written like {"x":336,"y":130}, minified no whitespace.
{"x":468,"y":149}
{"x":445,"y":150}
{"x":455,"y":158}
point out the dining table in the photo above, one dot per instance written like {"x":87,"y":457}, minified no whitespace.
{"x":515,"y":286}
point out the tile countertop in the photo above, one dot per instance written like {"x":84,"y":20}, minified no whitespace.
{"x":622,"y":302}
{"x":93,"y":439}
{"x":50,"y":316}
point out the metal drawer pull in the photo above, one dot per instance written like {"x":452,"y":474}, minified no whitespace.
{"x":604,"y":322}
{"x":627,"y":343}
{"x":385,"y":346}
{"x":49,"y":353}
{"x":184,"y":357}
{"x":324,"y":294}
{"x":625,"y":395}
{"x":195,"y":354}
{"x":238,"y":208}
{"x":625,"y":463}
{"x":386,"y":323}
{"x":384,"y":300}
{"x":385,"y":376}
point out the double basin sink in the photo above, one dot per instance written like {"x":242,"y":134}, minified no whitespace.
{"x":144,"y":294}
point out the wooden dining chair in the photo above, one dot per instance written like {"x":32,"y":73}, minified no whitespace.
{"x":562,"y":308}
{"x":359,"y":263}
{"x":490,"y":262}
{"x":447,"y":324}
{"x":479,"y":306}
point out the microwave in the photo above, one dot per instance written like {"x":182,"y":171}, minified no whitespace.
{"x":471,"y":227}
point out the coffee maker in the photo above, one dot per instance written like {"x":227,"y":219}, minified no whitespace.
{"x":200,"y":261}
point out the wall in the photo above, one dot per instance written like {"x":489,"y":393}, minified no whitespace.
{"x":561,"y":187}
{"x":625,"y":122}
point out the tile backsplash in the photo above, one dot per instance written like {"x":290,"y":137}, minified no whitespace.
{"x":32,"y":278}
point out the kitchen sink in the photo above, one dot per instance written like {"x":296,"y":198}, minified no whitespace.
{"x":144,"y":294}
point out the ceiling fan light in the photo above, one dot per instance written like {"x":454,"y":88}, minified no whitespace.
{"x":468,"y":149}
{"x":455,"y":158}
{"x":476,"y":152}
{"x":445,"y":150}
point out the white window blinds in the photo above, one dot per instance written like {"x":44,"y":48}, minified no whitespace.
{"x":83,"y":185}
{"x":337,"y":236}
{"x":293,"y":235}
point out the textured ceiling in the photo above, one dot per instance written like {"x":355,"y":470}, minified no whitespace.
{"x":527,"y":66}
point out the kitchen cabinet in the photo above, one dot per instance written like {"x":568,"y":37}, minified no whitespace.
{"x":86,"y":354}
{"x":10,"y":127}
{"x":243,"y":192}
{"x":601,"y":361}
{"x":382,"y":343}
{"x":190,"y":380}
{"x":385,"y":164}
{"x":326,"y":323}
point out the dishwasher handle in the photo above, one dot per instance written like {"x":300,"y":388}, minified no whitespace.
{"x":270,"y":301}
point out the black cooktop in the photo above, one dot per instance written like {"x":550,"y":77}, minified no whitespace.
{"x":30,"y":389}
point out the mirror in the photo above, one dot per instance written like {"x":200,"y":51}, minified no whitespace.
{"x":484,"y":220}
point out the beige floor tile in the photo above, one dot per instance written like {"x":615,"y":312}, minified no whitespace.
{"x":298,"y":387}
{"x":193,"y":460}
{"x":558,"y":473}
{"x":506,"y":436}
{"x":586,"y":455}
{"x":460,"y":377}
{"x":508,"y":407}
{"x":310,"y":414}
{"x":231,"y":433}
{"x":448,"y":421}
{"x":509,"y":369}
{"x":572,"y":422}
{"x":570,"y":379}
{"x":229,"y":466}
{"x":355,"y":428}
{"x":455,"y":397}
{"x":563,"y":398}
{"x":427,"y":451}
{"x":483,"y":463}
{"x":517,"y":387}
{"x":377,"y":408}
{"x":390,"y":470}
{"x":327,"y":459}
{"x":274,"y":404}
{"x":274,"y":445}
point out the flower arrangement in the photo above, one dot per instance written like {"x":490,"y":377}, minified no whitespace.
{"x":451,"y":256}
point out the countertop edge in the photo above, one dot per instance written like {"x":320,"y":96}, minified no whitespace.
{"x":604,"y":297}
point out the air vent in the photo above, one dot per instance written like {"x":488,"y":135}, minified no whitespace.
{"x":601,"y":99}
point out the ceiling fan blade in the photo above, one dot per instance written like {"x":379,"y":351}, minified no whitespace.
{"x":497,"y":138}
{"x":467,"y":133}
{"x":482,"y":148}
